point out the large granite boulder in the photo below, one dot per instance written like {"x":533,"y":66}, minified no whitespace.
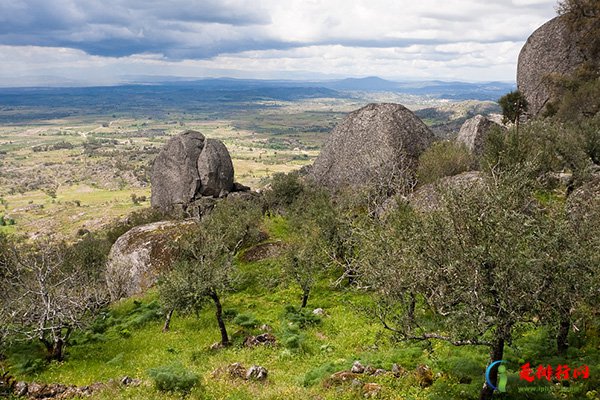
{"x":551,"y":50}
{"x":474,"y":132}
{"x":140,"y":255}
{"x":215,"y":169}
{"x":371,"y":143}
{"x":187,"y":168}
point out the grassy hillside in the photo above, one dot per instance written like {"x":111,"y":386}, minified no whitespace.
{"x":127,"y":341}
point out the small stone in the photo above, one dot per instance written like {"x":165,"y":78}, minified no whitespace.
{"x":236,"y":370}
{"x":371,"y":389}
{"x":369,"y":370}
{"x":125,"y":381}
{"x":20,"y":389}
{"x":318,"y":311}
{"x":266,"y":339}
{"x":379,"y":372}
{"x":424,"y":375}
{"x":340,"y":377}
{"x":256,"y":373}
{"x":357,"y":368}
{"x":216,"y":346}
{"x":396,"y":370}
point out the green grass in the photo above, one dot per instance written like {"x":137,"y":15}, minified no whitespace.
{"x":128,"y":340}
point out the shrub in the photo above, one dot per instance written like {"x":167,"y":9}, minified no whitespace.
{"x":285,"y":188}
{"x":301,"y":316}
{"x":246,"y":321}
{"x":173,"y":378}
{"x":444,"y":159}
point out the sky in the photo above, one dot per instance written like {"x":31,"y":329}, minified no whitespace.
{"x":101,"y":42}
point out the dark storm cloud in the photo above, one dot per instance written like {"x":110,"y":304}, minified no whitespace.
{"x":177,"y":28}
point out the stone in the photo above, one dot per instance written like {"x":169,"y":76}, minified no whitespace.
{"x":550,"y":51}
{"x":377,"y":143}
{"x":319,"y":311}
{"x":20,"y":389}
{"x":256,"y":373}
{"x":397,"y":370}
{"x":267,"y":339}
{"x":139,"y":256}
{"x":174,"y":176}
{"x":236,"y":370}
{"x":188,"y":167}
{"x":583,"y":203}
{"x":215,"y":169}
{"x":474,"y":131}
{"x":428,"y":198}
{"x":339,"y":378}
{"x":424,"y":375}
{"x":371,"y":390}
{"x":357,"y":368}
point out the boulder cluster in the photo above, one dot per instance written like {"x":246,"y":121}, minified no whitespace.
{"x":188,"y":168}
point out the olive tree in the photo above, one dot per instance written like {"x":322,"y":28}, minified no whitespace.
{"x":474,"y":267}
{"x":204,"y":269}
{"x":51,"y":290}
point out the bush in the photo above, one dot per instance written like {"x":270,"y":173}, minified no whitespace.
{"x":444,"y":159}
{"x":300,"y":316}
{"x":173,"y":378}
{"x":285,"y":189}
{"x":246,"y":321}
{"x":545,"y":145}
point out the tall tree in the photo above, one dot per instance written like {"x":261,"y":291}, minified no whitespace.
{"x":475,"y":265}
{"x":53,"y":289}
{"x":204,"y":270}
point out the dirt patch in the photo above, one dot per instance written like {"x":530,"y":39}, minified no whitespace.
{"x":263,"y":251}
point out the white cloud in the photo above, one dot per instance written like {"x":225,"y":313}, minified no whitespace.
{"x":99,"y":41}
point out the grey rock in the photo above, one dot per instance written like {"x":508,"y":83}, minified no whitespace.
{"x":140,"y":255}
{"x":20,"y":389}
{"x":357,"y":368}
{"x":187,"y":168}
{"x":318,"y":311}
{"x":428,"y":197}
{"x":257,"y":373}
{"x":583,"y":204}
{"x":474,"y":132}
{"x":550,"y":51}
{"x":374,"y":143}
{"x":174,"y":176}
{"x":215,"y":169}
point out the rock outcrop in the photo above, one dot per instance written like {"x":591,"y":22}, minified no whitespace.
{"x":187,"y":168}
{"x":428,"y":197}
{"x":215,"y":169}
{"x":474,"y":132}
{"x":550,"y":51}
{"x":372,"y":143}
{"x":138,"y":257}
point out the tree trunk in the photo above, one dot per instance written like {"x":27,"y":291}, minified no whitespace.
{"x":167,"y":325}
{"x":496,"y":354}
{"x":54,"y":348}
{"x":219,"y":315}
{"x":562,"y":344}
{"x":305,"y":294}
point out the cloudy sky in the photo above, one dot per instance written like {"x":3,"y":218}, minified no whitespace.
{"x":109,"y":41}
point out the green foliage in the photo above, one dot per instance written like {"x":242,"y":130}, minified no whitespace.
{"x":246,"y":320}
{"x":513,"y":105}
{"x":317,"y":374}
{"x":285,"y":189}
{"x":173,"y":378}
{"x":444,"y":158}
{"x":543,"y":146}
{"x":300,"y":317}
{"x":136,"y":218}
